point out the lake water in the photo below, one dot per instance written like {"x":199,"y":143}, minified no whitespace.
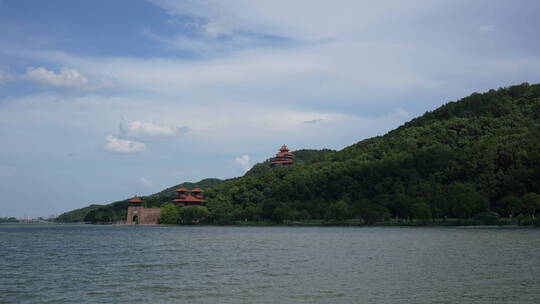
{"x":98,"y":264}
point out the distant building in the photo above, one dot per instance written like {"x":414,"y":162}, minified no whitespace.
{"x":283,"y":158}
{"x":187,"y":197}
{"x":139,"y":215}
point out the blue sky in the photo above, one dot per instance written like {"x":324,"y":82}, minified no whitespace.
{"x":101,"y":100}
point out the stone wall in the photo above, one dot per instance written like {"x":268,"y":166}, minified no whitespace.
{"x":138,"y":215}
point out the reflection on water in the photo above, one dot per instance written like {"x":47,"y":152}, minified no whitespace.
{"x":82,"y":263}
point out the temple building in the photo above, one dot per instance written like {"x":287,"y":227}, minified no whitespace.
{"x":283,"y":158}
{"x":135,"y":201}
{"x":187,"y":197}
{"x":139,"y":215}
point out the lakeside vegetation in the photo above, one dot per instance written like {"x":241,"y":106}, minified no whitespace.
{"x":76,"y":215}
{"x":8,"y":220}
{"x":180,"y":215}
{"x":476,"y":160}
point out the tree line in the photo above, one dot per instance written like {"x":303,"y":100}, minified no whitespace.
{"x":478,"y":158}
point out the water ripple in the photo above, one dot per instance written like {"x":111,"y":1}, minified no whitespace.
{"x":96,"y":264}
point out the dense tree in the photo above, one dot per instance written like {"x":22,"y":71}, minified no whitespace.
{"x":469,"y":156}
{"x":488,"y":217}
{"x":464,"y":201}
{"x":531,"y":203}
{"x":421,"y":211}
{"x":169,"y":214}
{"x":194,"y":214}
{"x":221,"y":209}
{"x":370,"y":212}
{"x":337,"y":211}
{"x":8,"y":220}
{"x":512,"y":204}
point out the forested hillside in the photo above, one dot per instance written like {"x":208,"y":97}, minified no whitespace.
{"x":479,"y":154}
{"x":76,"y":215}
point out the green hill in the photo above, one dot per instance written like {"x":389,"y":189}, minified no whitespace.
{"x":76,"y":215}
{"x":476,"y":155}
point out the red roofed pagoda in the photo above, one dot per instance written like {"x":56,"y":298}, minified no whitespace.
{"x":283,"y":158}
{"x":187,"y":197}
{"x":135,"y":201}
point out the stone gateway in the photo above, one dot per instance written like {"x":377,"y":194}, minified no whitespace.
{"x":139,"y":215}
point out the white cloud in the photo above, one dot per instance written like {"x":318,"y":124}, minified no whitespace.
{"x":66,"y":78}
{"x":487,"y":28}
{"x":343,"y":73}
{"x":303,"y":19}
{"x":216,"y":129}
{"x":123,"y":146}
{"x":207,"y":42}
{"x":148,"y":131}
{"x":243,"y":161}
{"x":146,"y":182}
{"x":330,"y":71}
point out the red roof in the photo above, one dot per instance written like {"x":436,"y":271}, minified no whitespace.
{"x":181,"y":189}
{"x":288,"y":161}
{"x":188,"y":198}
{"x":284,"y":154}
{"x":197,"y":190}
{"x":135,"y":199}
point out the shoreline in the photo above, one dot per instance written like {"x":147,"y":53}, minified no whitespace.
{"x":448,"y":224}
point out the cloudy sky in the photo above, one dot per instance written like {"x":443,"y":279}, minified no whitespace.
{"x":101,"y":100}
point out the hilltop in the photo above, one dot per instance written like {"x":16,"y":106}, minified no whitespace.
{"x":300,"y":156}
{"x":478,"y":154}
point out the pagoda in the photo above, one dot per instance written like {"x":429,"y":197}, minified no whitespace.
{"x":283,"y":158}
{"x":187,"y":197}
{"x":135,"y":201}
